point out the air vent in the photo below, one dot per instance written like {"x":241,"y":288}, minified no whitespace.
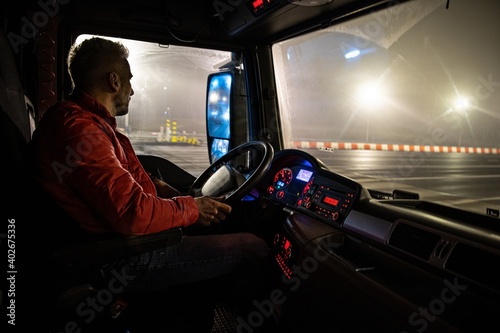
{"x":415,"y":241}
{"x":475,"y":264}
{"x":442,"y":249}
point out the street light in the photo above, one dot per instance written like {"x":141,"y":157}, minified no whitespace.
{"x":369,"y":97}
{"x":462,"y":105}
{"x":370,"y":94}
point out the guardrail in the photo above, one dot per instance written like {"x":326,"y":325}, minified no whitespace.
{"x":393,"y":147}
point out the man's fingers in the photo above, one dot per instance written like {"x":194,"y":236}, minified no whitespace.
{"x":211,"y":210}
{"x":224,"y":208}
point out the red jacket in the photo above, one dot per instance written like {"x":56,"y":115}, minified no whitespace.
{"x":92,"y":171}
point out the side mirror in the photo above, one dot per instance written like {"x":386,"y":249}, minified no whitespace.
{"x":227,"y":110}
{"x":218,"y":113}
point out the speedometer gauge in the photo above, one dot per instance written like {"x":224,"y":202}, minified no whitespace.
{"x":283,"y":178}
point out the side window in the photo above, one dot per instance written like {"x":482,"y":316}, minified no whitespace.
{"x":167,"y":113}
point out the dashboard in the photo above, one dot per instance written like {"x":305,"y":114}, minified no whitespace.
{"x":338,"y":242}
{"x":300,"y":181}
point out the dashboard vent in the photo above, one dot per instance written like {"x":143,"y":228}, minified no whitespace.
{"x":475,"y":264}
{"x":443,"y":249}
{"x":415,"y":241}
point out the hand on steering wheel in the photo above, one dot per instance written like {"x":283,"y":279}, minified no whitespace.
{"x":211,"y":210}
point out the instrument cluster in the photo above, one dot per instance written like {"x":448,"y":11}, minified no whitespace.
{"x":321,"y":193}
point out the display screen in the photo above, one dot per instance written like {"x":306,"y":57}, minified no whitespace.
{"x":304,"y":175}
{"x":330,"y":201}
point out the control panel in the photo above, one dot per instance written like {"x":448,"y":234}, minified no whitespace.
{"x":327,"y":201}
{"x":283,"y":254}
{"x":327,"y":196}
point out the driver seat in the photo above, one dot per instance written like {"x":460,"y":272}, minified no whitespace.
{"x":59,"y":285}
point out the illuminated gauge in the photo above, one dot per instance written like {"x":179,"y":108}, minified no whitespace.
{"x":305,"y":201}
{"x":283,"y":178}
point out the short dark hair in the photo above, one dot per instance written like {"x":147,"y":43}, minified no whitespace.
{"x":91,"y":60}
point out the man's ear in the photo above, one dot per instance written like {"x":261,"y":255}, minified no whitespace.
{"x":114,"y":81}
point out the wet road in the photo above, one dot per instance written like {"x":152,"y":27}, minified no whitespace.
{"x":469,"y":181}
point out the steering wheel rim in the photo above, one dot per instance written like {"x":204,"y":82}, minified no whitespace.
{"x":253,"y":179}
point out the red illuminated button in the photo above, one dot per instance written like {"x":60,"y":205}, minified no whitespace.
{"x":270,"y":189}
{"x":257,"y":3}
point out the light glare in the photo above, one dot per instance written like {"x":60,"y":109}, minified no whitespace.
{"x":352,"y":54}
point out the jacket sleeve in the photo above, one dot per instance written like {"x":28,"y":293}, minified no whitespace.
{"x":96,"y":173}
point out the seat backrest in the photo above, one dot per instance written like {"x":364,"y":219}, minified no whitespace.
{"x":15,"y":123}
{"x":16,"y":127}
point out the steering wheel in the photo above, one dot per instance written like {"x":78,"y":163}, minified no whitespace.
{"x":230,"y":175}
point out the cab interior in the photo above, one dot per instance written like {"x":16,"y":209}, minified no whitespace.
{"x":345,"y":257}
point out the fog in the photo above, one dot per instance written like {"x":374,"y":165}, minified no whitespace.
{"x":415,"y":74}
{"x":431,"y":73}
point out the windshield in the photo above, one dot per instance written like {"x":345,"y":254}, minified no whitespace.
{"x":404,"y":98}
